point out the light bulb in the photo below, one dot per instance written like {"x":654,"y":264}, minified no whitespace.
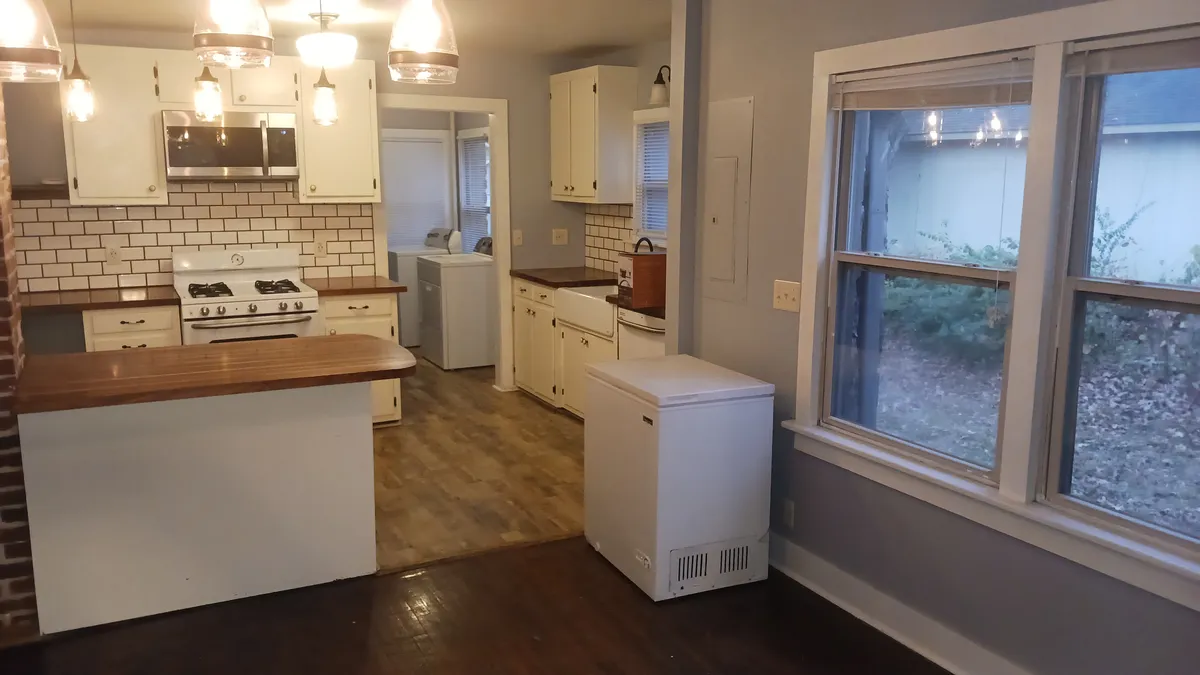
{"x":327,"y":50}
{"x":422,"y":47}
{"x":208,"y":97}
{"x":233,"y":34}
{"x":979,"y":135}
{"x":1020,"y":135}
{"x":19,"y":25}
{"x":81,"y":103}
{"x":933,"y":135}
{"x":417,"y":27}
{"x":997,"y":127}
{"x":29,"y":49}
{"x":932,"y":120}
{"x":325,"y":112}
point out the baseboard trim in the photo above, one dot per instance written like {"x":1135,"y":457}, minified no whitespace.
{"x":918,"y":632}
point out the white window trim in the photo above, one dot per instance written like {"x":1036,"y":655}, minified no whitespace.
{"x":464,"y":134}
{"x":1012,"y":507}
{"x":640,"y":117}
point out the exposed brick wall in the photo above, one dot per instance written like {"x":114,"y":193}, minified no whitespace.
{"x":18,"y":612}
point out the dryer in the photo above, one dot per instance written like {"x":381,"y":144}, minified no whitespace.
{"x":459,"y":317}
{"x":402,"y":268}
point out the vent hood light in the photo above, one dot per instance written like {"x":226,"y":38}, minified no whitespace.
{"x":422,"y":49}
{"x":28,"y":46}
{"x":233,"y":34}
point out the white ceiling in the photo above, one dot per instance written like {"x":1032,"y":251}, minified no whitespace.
{"x":527,"y":26}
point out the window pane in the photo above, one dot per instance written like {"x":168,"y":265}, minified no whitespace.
{"x":1147,"y":201}
{"x":1137,"y":415}
{"x":921,"y":360}
{"x":942,"y":185}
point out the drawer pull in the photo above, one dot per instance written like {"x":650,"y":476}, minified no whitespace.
{"x":132,"y":323}
{"x":542,"y":296}
{"x":129,"y":347}
{"x":363,"y":307}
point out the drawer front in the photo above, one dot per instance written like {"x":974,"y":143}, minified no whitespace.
{"x":111,"y":343}
{"x":116,"y":321}
{"x":358,"y":305}
{"x":535,"y":292}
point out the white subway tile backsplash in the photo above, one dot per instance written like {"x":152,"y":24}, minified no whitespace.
{"x":609,"y":232}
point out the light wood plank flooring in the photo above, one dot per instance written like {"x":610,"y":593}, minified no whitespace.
{"x":472,"y":469}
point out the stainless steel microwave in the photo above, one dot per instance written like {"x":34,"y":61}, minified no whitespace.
{"x":237,"y":145}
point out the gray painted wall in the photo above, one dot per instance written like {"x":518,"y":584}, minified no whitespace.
{"x":647,"y":58}
{"x":398,"y":118}
{"x":470,"y":120}
{"x":1038,"y":610}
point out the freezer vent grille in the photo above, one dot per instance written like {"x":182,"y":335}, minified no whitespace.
{"x":734,"y":559}
{"x":691,"y":567}
{"x":717,"y":565}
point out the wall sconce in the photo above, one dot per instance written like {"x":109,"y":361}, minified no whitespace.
{"x":660,"y":93}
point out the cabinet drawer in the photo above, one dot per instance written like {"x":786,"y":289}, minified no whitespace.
{"x":534,"y":292}
{"x":115,"y":321}
{"x":359,"y":305}
{"x":110,"y":343}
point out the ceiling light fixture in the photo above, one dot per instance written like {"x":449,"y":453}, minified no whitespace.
{"x":325,"y":112}
{"x":81,"y":103}
{"x":28,"y":46}
{"x":233,"y":34}
{"x":208,"y":97}
{"x":422,"y":49}
{"x":660,"y":93}
{"x":326,"y":48}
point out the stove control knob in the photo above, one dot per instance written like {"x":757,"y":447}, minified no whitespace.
{"x":221,"y":310}
{"x":203,"y":311}
{"x":283,"y":306}
{"x":253,"y":307}
{"x":299,"y":305}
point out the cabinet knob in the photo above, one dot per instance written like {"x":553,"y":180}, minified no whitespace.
{"x":312,"y":188}
{"x":154,"y":188}
{"x":242,"y":98}
{"x":332,"y":331}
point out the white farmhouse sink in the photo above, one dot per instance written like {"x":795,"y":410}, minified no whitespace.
{"x":586,"y":309}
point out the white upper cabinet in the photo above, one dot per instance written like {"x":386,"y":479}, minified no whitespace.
{"x":278,"y":85}
{"x":340,"y":162}
{"x":175,"y":73}
{"x":117,"y":156}
{"x":591,"y":133}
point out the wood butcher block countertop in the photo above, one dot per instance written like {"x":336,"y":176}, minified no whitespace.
{"x":50,"y":302}
{"x":567,"y":277}
{"x":355,"y":286}
{"x":96,"y":379}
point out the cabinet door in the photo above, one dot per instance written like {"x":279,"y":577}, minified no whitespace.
{"x":117,"y":156}
{"x":432,"y":340}
{"x":383,"y":392}
{"x":523,"y":342}
{"x":542,"y":348}
{"x":583,"y":136}
{"x":341,"y":161}
{"x":570,"y":377}
{"x":177,"y":71}
{"x":278,"y":85}
{"x":560,"y":137}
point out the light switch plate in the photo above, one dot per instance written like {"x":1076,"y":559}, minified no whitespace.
{"x":561,"y":237}
{"x":518,"y":238}
{"x":787,"y":296}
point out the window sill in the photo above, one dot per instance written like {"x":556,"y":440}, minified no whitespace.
{"x":1104,"y":549}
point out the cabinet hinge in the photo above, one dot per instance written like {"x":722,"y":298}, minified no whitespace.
{"x":554,"y":322}
{"x":297,"y":95}
{"x":156,"y":92}
{"x":595,"y":185}
{"x":395,"y":402}
{"x":554,"y":390}
{"x":156,"y":72}
{"x":594,"y":91}
{"x":371,"y":84}
{"x":393,"y":331}
{"x":75,"y":182}
{"x":295,"y":78}
{"x":374,"y":183}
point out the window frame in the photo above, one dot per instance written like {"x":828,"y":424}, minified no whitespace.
{"x":459,"y":146}
{"x":643,"y":118}
{"x":1018,"y":506}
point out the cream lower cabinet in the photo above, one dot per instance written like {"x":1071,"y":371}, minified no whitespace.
{"x":107,"y":330}
{"x":375,"y":315}
{"x":534,"y":340}
{"x":577,"y":349}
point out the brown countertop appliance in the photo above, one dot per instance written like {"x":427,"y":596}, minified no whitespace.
{"x":642,"y":277}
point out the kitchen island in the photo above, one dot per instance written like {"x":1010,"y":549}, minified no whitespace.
{"x":162,"y":479}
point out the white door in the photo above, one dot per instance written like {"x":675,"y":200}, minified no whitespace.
{"x":432,"y":341}
{"x":560,"y":137}
{"x":523,"y":342}
{"x":383,"y":392}
{"x":117,"y":156}
{"x":416,"y":167}
{"x":583,"y":136}
{"x":571,"y":377}
{"x":278,"y":85}
{"x":636,"y":343}
{"x":542,"y":346}
{"x":341,"y":160}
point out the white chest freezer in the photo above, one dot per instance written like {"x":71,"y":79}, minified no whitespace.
{"x":677,"y":473}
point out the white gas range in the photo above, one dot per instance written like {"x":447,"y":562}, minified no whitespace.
{"x":237,"y":296}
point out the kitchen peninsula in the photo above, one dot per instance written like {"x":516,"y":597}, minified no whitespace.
{"x":162,"y":479}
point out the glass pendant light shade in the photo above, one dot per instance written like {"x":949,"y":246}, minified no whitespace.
{"x":81,"y":103}
{"x":325,"y":111}
{"x":233,"y":34}
{"x":326,"y":48}
{"x":29,"y":49}
{"x":422,"y":49}
{"x":208,"y":97}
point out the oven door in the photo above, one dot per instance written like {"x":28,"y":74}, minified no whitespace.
{"x":247,"y":329}
{"x":239,"y":145}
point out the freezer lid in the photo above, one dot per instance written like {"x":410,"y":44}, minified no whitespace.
{"x":458,"y":259}
{"x":678,"y":380}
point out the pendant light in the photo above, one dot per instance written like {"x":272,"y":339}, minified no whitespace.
{"x":660,"y":94}
{"x":80,"y":104}
{"x":325,"y":111}
{"x":326,"y":48}
{"x":208,"y":97}
{"x":28,"y":46}
{"x":422,"y":49}
{"x":233,"y":34}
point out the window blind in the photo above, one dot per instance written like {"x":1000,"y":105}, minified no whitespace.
{"x":650,"y":195}
{"x":475,"y":190}
{"x":1001,"y":83}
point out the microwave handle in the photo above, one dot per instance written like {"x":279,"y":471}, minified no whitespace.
{"x":266,"y":149}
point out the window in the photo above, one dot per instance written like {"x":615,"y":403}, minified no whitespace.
{"x":927,"y":243}
{"x":651,"y":160}
{"x":474,"y":187}
{"x":1128,"y":440}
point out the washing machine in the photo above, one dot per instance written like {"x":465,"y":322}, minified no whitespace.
{"x":402,"y":268}
{"x":459,"y":317}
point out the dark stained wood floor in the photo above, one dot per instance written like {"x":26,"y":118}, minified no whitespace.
{"x":550,"y":609}
{"x":472,"y":469}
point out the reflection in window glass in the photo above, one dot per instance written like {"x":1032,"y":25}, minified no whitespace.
{"x":943,"y":185}
{"x":921,"y":360}
{"x":1137,"y":417}
{"x":1147,"y":217}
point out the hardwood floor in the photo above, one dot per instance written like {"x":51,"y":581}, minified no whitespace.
{"x":552,"y":609}
{"x":471,"y":469}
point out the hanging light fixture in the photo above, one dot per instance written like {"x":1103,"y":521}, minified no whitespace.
{"x":80,"y":104}
{"x":660,"y":94}
{"x":28,"y":46}
{"x":325,"y":111}
{"x":233,"y":34}
{"x":208,"y":97}
{"x":326,"y":48}
{"x":422,"y":49}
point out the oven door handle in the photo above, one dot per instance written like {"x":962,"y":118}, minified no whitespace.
{"x":644,"y":329}
{"x":250,"y":324}
{"x":266,"y":149}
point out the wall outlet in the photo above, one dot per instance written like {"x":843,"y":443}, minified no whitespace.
{"x":518,"y":238}
{"x":561,"y":237}
{"x":112,"y":255}
{"x":321,"y":248}
{"x":787,"y":296}
{"x":789,"y":513}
